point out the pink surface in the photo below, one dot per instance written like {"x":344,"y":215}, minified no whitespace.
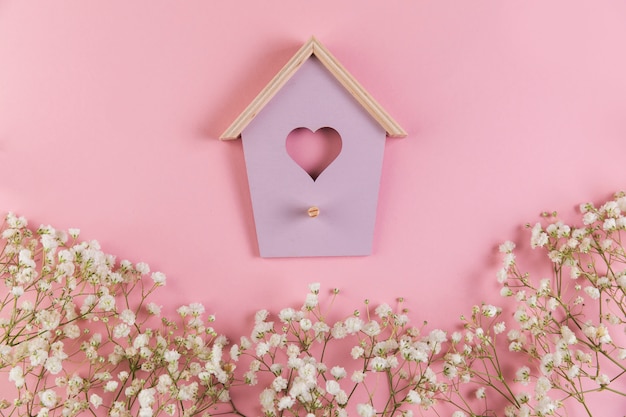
{"x":110,"y":113}
{"x":313,"y":151}
{"x":346,"y":192}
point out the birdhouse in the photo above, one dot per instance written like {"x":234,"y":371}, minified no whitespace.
{"x":314,"y":208}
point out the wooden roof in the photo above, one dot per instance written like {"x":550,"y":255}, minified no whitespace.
{"x":313,"y":47}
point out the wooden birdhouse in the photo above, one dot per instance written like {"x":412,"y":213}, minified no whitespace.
{"x":301,"y":210}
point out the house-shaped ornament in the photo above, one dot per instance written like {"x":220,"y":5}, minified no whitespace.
{"x":296,"y":213}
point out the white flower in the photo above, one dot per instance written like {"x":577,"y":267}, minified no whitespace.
{"x":435,"y":338}
{"x":286,"y":315}
{"x":523,"y":375}
{"x":107,"y":302}
{"x":165,"y":382}
{"x":121,"y":330}
{"x":48,"y":398}
{"x":146,"y":412}
{"x":357,"y":377}
{"x":549,"y":361}
{"x":170,"y":409}
{"x":489,"y":310}
{"x":592,"y":292}
{"x":49,"y":319}
{"x":141,"y":340}
{"x":603,"y":334}
{"x":383,"y":310}
{"x":542,"y":386}
{"x":187,"y":392}
{"x":320,"y":328}
{"x":589,"y":218}
{"x":609,"y":224}
{"x":171,"y":355}
{"x":332,"y":387}
{"x":552,"y":304}
{"x":506,"y":247}
{"x":95,"y":400}
{"x":314,"y":287}
{"x":378,"y":364}
{"x":38,"y":357}
{"x":573,"y":372}
{"x":110,"y":386}
{"x":266,"y":398}
{"x":603,"y":380}
{"x":339,"y":330}
{"x":568,"y":335}
{"x":53,"y":365}
{"x":341,"y":397}
{"x":365,"y":410}
{"x":520,"y":315}
{"x":159,"y":278}
{"x":499,"y":327}
{"x":502,"y":275}
{"x":153,"y":309}
{"x":353,"y":325}
{"x":286,"y":402}
{"x":305,"y":324}
{"x":260,"y":316}
{"x":372,"y":328}
{"x":338,"y":372}
{"x":310,"y":301}
{"x":146,"y":397}
{"x":545,"y":406}
{"x":538,"y":237}
{"x":279,"y":384}
{"x":508,"y":261}
{"x":459,"y":413}
{"x":262,"y":348}
{"x":413,"y":397}
{"x":196,"y":309}
{"x":128,"y":317}
{"x":71,"y":331}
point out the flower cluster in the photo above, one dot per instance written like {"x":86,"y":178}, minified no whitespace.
{"x":567,"y":330}
{"x":308,"y":365}
{"x":78,"y":334}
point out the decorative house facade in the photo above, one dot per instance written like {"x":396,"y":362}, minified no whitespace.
{"x":297,"y":214}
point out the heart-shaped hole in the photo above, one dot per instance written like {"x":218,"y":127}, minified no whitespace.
{"x":314,"y":151}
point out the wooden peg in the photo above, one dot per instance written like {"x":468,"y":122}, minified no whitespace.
{"x":313,"y":211}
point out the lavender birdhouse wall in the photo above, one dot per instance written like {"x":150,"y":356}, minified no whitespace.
{"x":332,"y":212}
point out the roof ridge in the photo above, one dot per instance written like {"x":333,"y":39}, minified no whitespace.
{"x":313,"y":47}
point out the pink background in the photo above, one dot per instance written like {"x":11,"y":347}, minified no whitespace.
{"x":110,"y":113}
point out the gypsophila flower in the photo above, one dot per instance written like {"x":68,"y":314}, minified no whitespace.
{"x":338,"y":372}
{"x":358,"y":377}
{"x":81,"y":311}
{"x":592,"y":292}
{"x":285,"y":402}
{"x":158,"y":278}
{"x":48,"y":398}
{"x":523,"y":375}
{"x":365,"y":410}
{"x":95,"y":400}
{"x":489,"y":310}
{"x":70,"y":303}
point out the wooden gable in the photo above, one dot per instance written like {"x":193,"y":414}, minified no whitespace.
{"x":310,"y":48}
